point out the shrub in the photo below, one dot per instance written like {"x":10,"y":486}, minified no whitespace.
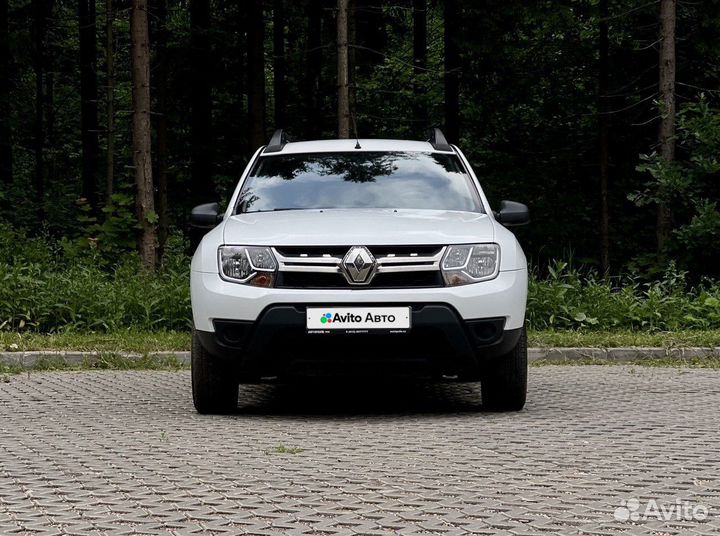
{"x":688,"y":184}
{"x":567,"y":299}
{"x":87,"y":298}
{"x":47,"y":288}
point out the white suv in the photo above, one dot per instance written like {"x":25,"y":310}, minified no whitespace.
{"x":364,"y":259}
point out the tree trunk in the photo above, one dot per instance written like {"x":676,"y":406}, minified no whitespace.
{"x":603,"y":47}
{"x":256,"y":74}
{"x":142,"y":157}
{"x":279,"y":62}
{"x":6,"y":168}
{"x":49,"y":103}
{"x":162,"y":130}
{"x":452,"y":72}
{"x":314,"y":59}
{"x":240,"y":124}
{"x":420,"y":63}
{"x":109,"y":101}
{"x":201,"y":146}
{"x":39,"y":23}
{"x":667,"y":109}
{"x":343,"y":110}
{"x":352,"y":62}
{"x":88,"y":101}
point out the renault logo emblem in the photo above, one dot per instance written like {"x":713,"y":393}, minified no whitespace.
{"x":359,"y":265}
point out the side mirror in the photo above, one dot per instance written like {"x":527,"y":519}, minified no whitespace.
{"x":205,"y":216}
{"x":203,"y":219}
{"x":512,"y":213}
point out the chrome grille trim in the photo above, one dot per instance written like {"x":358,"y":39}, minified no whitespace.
{"x":388,"y":263}
{"x":304,"y":263}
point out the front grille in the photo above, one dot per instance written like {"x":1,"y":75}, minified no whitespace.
{"x":334,"y":281}
{"x":340,"y":251}
{"x":415,"y":266}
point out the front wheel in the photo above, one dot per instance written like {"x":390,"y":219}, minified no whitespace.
{"x":214,"y":387}
{"x":504,"y":383}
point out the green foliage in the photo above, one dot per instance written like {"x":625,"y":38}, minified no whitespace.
{"x":86,"y":297}
{"x":110,"y":238}
{"x":46,"y":288}
{"x":144,"y":342}
{"x":131,"y":341}
{"x":623,"y":338}
{"x":689,"y":185}
{"x":703,"y":230}
{"x":282,"y":449}
{"x":152,"y":217}
{"x":104,"y":361}
{"x":528,"y":101}
{"x":16,"y":247}
{"x":568,"y":299}
{"x":70,"y":291}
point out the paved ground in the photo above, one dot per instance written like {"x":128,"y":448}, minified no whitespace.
{"x":124,"y":453}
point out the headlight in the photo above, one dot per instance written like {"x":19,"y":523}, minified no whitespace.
{"x":470,"y":263}
{"x":247,"y":264}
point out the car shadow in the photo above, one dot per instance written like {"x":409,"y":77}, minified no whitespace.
{"x":358,"y":398}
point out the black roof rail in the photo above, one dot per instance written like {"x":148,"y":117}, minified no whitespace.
{"x":277,"y":142}
{"x":438,"y":140}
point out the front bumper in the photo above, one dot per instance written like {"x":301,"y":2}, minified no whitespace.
{"x":440,"y":344}
{"x":213,"y":298}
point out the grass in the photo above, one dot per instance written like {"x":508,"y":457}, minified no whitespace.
{"x":624,"y":338}
{"x":101,"y":362}
{"x":142,"y":342}
{"x":110,"y":362}
{"x":110,"y":345}
{"x":282,"y":449}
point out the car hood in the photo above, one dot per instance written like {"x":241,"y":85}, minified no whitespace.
{"x":342,"y":227}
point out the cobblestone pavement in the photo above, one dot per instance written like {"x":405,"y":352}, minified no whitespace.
{"x":124,"y":453}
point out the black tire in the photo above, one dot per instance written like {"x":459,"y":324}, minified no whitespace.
{"x":214,"y":386}
{"x":504,"y":383}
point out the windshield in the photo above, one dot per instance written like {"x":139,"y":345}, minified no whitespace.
{"x":398,"y":180}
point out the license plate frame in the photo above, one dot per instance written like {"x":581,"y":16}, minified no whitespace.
{"x":358,"y":319}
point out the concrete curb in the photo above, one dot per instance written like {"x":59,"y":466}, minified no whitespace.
{"x":75,"y":358}
{"x":552,"y":355}
{"x":618,"y":355}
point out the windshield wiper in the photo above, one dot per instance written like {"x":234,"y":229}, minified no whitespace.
{"x":286,"y":208}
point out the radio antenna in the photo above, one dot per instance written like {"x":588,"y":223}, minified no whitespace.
{"x":357,"y":140}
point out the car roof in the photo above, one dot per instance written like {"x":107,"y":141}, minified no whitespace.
{"x":349,"y":145}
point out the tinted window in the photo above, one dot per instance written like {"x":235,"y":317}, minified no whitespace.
{"x":410,"y":180}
